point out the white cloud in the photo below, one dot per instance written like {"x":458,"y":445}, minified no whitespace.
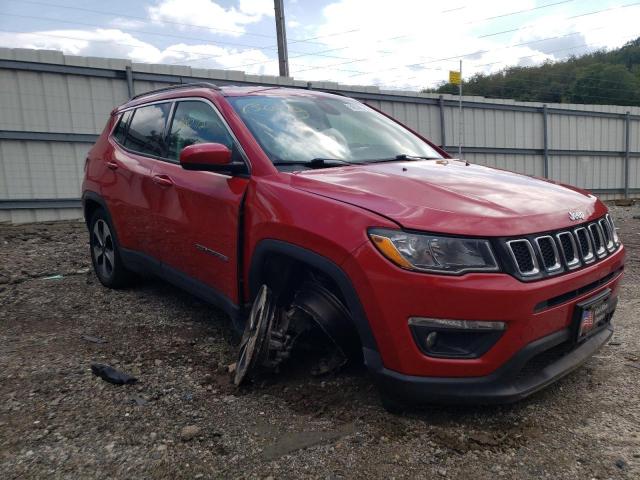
{"x":100,"y":42}
{"x":211,"y":15}
{"x":415,"y":43}
{"x":409,"y":46}
{"x":127,"y":23}
{"x":114,"y":43}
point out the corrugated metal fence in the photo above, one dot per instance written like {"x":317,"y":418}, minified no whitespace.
{"x":52,"y":107}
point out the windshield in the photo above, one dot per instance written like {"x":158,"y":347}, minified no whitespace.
{"x":300,"y":129}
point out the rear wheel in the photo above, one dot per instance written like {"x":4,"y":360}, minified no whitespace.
{"x":105,"y":255}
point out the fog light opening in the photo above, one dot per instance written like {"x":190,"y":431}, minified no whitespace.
{"x":447,"y":338}
{"x":447,"y":324}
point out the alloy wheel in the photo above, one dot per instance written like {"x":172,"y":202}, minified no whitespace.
{"x":103,"y":249}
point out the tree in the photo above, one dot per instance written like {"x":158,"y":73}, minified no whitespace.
{"x":603,"y":77}
{"x":605,"y":84}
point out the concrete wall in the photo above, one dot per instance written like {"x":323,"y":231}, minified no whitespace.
{"x":53,"y":105}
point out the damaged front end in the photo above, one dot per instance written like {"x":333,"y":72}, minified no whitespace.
{"x":272,"y":331}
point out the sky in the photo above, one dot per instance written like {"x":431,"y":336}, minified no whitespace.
{"x":399,"y":44}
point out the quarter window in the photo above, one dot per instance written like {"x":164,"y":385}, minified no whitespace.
{"x":121,"y":129}
{"x":146,"y":132}
{"x":196,"y":122}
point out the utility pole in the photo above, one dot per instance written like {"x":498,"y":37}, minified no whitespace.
{"x":283,"y":56}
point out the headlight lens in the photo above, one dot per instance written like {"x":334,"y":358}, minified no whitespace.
{"x":433,"y":253}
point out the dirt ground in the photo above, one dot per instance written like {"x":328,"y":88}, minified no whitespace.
{"x":57,"y":420}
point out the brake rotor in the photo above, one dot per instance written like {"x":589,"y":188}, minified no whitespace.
{"x":256,"y":329}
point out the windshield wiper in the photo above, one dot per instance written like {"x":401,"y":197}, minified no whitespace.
{"x":316,"y":162}
{"x":402,"y":156}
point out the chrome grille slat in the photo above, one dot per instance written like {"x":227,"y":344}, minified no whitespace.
{"x":597,"y":237}
{"x":614,"y":232}
{"x":570,"y":254}
{"x":549,"y":253}
{"x":608,"y":234}
{"x":527,"y":266}
{"x":585,"y":247}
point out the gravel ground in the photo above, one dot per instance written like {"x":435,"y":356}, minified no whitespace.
{"x":184,"y":419}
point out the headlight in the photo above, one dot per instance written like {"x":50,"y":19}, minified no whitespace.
{"x":433,"y":253}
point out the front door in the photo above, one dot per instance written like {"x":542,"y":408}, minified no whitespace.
{"x":197,"y":213}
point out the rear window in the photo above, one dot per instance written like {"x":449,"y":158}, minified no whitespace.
{"x":146,"y":131}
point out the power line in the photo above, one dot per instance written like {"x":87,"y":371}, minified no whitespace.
{"x":167,"y":35}
{"x":530,"y":56}
{"x":595,"y":12}
{"x":521,"y":11}
{"x":320,"y":53}
{"x":592,"y":83}
{"x":111,"y":42}
{"x":134,"y":17}
{"x":394,"y":37}
{"x":445,"y":11}
{"x":478,"y":52}
{"x":208,"y":56}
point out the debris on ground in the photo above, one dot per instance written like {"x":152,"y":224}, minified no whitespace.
{"x":292,"y":441}
{"x":111,"y":375}
{"x":139,"y":400}
{"x":189,"y":432}
{"x":92,"y":339}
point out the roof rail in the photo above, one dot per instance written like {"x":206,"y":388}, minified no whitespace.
{"x":176,"y":87}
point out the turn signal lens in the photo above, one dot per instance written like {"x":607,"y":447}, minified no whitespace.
{"x":389,"y":250}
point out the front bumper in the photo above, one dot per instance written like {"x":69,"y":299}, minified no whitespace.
{"x":537,"y":365}
{"x":532,"y":311}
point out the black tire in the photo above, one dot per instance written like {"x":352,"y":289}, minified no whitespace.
{"x":105,"y":253}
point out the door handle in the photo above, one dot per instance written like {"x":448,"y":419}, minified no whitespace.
{"x":112,"y":165}
{"x":162,"y":180}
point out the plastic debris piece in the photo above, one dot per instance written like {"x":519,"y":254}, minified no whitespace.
{"x":54,"y":277}
{"x":93,"y":339}
{"x":111,"y":375}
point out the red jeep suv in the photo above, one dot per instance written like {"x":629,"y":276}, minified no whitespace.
{"x":293,"y":209}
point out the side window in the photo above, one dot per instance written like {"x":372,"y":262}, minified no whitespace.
{"x":197,"y":122}
{"x":121,"y":129}
{"x":146,"y":130}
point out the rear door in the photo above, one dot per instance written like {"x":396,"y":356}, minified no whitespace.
{"x":142,"y":145}
{"x":136,"y":139}
{"x":197,"y":213}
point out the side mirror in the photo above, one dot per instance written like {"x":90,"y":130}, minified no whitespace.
{"x":212,"y":157}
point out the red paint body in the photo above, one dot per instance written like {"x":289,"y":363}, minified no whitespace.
{"x":162,"y":210}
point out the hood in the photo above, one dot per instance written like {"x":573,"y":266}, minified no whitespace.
{"x":448,"y":196}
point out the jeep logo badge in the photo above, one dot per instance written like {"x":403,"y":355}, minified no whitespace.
{"x":575,"y":215}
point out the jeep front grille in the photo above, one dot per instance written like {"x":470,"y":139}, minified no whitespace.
{"x":555,"y":252}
